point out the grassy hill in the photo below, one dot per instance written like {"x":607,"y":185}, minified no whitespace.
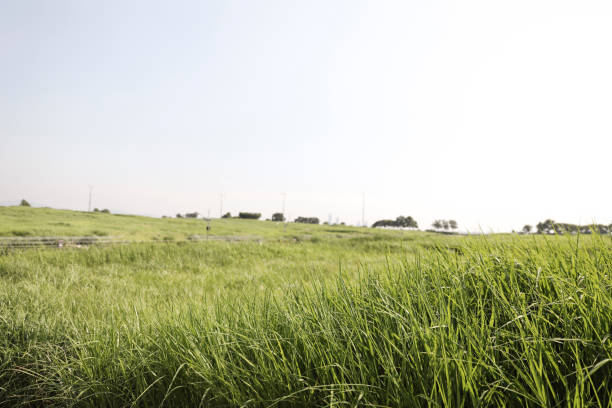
{"x":37,"y":222}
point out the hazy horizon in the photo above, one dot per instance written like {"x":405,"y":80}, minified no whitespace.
{"x":495,"y":115}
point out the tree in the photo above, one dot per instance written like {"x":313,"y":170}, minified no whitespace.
{"x":24,"y":203}
{"x":249,"y":216}
{"x":192,"y":215}
{"x":453,"y":224}
{"x":307,"y":220}
{"x":400,"y":222}
{"x":278,"y":217}
{"x":437,"y":224}
{"x":546,"y":227}
{"x":384,"y":223}
{"x":412,"y":223}
{"x":226,"y":215}
{"x":445,"y":224}
{"x":105,"y":211}
{"x":96,"y":209}
{"x":179,"y":216}
{"x":527,"y":229}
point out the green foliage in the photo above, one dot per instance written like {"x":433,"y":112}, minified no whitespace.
{"x":249,"y":216}
{"x":24,"y":203}
{"x":307,"y":220}
{"x":227,"y":215}
{"x":192,"y":215}
{"x":278,"y":217}
{"x":399,"y":222}
{"x":444,"y":224}
{"x":105,"y":211}
{"x":551,"y":227}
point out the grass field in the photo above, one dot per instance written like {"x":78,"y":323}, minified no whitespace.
{"x":304,"y":316}
{"x":38,"y":222}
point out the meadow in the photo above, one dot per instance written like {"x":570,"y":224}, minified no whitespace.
{"x":301,"y":315}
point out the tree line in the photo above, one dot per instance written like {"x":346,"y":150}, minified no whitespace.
{"x":399,"y":222}
{"x":445,"y":225}
{"x":551,"y":227}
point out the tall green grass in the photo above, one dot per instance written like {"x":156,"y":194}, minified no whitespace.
{"x":361,"y":322}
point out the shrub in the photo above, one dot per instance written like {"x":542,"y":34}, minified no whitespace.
{"x":226,"y":215}
{"x":192,"y":215}
{"x":249,"y":216}
{"x":179,"y":216}
{"x":96,"y":209}
{"x":105,"y":211}
{"x":307,"y":220}
{"x":278,"y":217}
{"x":24,"y":203}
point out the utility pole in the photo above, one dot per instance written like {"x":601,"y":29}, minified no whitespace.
{"x":363,"y":210}
{"x":89,"y":206}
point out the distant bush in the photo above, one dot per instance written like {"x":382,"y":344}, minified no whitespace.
{"x":226,"y":215}
{"x":192,"y":215}
{"x":96,"y":210}
{"x":105,"y":211}
{"x":249,"y":216}
{"x":399,"y":222}
{"x":278,"y":217}
{"x":24,"y":203}
{"x":307,"y":220}
{"x":444,"y":224}
{"x":179,"y":216}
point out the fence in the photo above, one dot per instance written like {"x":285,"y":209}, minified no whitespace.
{"x":81,"y":242}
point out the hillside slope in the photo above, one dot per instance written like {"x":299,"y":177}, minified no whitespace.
{"x":41,"y":222}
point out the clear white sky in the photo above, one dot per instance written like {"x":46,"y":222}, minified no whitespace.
{"x":494,"y":113}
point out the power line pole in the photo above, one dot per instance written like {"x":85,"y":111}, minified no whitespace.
{"x":363,"y":210}
{"x":89,"y":205}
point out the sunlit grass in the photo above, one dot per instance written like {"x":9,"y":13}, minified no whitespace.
{"x":373,"y":320}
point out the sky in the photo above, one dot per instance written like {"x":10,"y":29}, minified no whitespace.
{"x":495,"y":114}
